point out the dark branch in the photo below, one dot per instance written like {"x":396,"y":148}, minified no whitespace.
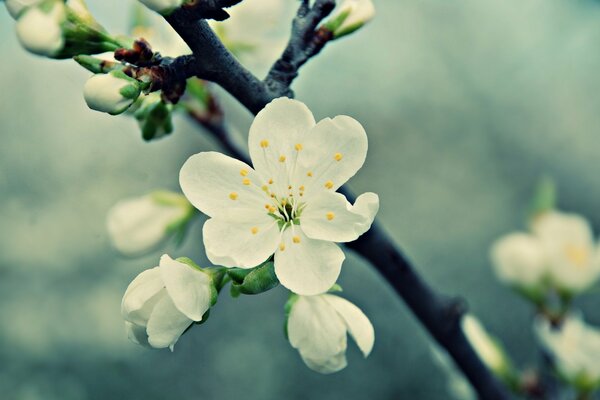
{"x":440,"y":315}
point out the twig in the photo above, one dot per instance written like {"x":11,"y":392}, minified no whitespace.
{"x":440,"y":315}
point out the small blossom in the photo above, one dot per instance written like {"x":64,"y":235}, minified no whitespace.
{"x":318,"y":326}
{"x":111,"y":93}
{"x":138,"y":225}
{"x":575,"y":349}
{"x":287,"y":204}
{"x":162,"y":302}
{"x":39,"y":28}
{"x":560,"y":249}
{"x":349,"y":16}
{"x":487,"y":347}
{"x":16,"y":7}
{"x":163,"y":7}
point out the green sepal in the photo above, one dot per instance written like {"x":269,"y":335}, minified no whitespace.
{"x":335,"y":289}
{"x":237,"y":275}
{"x":544,"y":198}
{"x":130,"y":92}
{"x":97,"y":65}
{"x":188,"y":261}
{"x":257,"y":280}
{"x":348,"y":30}
{"x":205,"y":317}
{"x":234,"y":291}
{"x":287,"y":309}
{"x":334,"y":23}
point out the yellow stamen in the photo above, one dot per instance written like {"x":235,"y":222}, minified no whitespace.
{"x":270,"y":181}
{"x":233,"y":195}
{"x":296,"y":239}
{"x":337,"y":156}
{"x":328,"y":184}
{"x":301,"y":188}
{"x":265,"y":188}
{"x":578,"y":255}
{"x":244,"y":172}
{"x":282,"y":247}
{"x":309,"y":174}
{"x":330,"y":216}
{"x":298,"y":146}
{"x":281,"y":158}
{"x":254,"y":230}
{"x":264,"y":143}
{"x":246,"y":181}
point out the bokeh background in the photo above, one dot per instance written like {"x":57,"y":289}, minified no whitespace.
{"x":466,"y":103}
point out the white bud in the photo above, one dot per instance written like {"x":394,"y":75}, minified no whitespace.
{"x":162,"y":302}
{"x":575,"y":349}
{"x":111,"y":93}
{"x":163,"y":7}
{"x":40,"y":31}
{"x":138,"y":225}
{"x":519,"y":260}
{"x":487,"y":347}
{"x":351,"y":15}
{"x":15,"y":7}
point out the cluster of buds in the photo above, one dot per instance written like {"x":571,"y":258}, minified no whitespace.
{"x":59,"y":29}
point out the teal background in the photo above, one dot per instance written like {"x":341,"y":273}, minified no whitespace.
{"x":466,"y":103}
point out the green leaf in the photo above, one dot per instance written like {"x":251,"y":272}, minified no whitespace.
{"x":544,"y":197}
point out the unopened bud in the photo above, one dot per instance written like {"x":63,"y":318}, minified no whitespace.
{"x":111,"y":93}
{"x":39,"y":28}
{"x":350,"y":16}
{"x":154,"y":117}
{"x":16,"y":7}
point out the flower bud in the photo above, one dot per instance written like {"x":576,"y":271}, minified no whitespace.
{"x":154,"y":117}
{"x":39,"y":28}
{"x":161,"y":303}
{"x":138,"y":225}
{"x":164,"y":7}
{"x":487,"y":347}
{"x":253,"y":281}
{"x":16,"y":7}
{"x":350,"y":16}
{"x":111,"y":93}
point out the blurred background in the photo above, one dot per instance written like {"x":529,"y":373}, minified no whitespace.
{"x":466,"y":103}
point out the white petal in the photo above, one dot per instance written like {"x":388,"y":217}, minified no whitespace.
{"x":308,"y":267}
{"x":40,"y":32}
{"x":276,"y":130}
{"x":359,"y":326}
{"x":166,"y":324}
{"x":162,"y":6}
{"x":189,"y":288}
{"x":329,"y":216}
{"x":333,"y":151}
{"x":485,"y":346}
{"x":137,"y":334}
{"x":138,"y":225}
{"x":240,"y":244}
{"x":214,"y":184}
{"x":568,"y":241}
{"x":519,"y":259}
{"x":141,"y":296}
{"x":317,"y":331}
{"x":15,"y":7}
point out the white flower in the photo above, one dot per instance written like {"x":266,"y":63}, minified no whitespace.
{"x":162,"y":302}
{"x":137,"y":225}
{"x":559,"y":249}
{"x":112,"y":93}
{"x":484,"y":345}
{"x":39,"y":30}
{"x":351,"y":15}
{"x":15,"y":7}
{"x":287,"y":204}
{"x":163,"y":7}
{"x":575,"y":348}
{"x":318,"y":326}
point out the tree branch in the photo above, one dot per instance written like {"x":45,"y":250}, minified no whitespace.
{"x":440,"y":315}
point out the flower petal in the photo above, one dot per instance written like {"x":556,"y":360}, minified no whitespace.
{"x":317,"y":331}
{"x":137,"y":334}
{"x":519,"y":259}
{"x":329,"y":216}
{"x":166,"y":324}
{"x":240,"y":244}
{"x":359,"y":326}
{"x":141,"y":296}
{"x":273,"y":137}
{"x":189,"y":288}
{"x":307,"y":266}
{"x":333,"y":151}
{"x":222,"y":186}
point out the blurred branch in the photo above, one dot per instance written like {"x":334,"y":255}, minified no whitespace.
{"x":439,"y":314}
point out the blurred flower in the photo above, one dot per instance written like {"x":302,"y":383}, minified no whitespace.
{"x":287,"y":205}
{"x":487,"y":347}
{"x":15,"y":7}
{"x":111,"y":93}
{"x":39,"y":28}
{"x":162,"y":37}
{"x":162,"y":302}
{"x":318,"y":326}
{"x":138,"y":225}
{"x":560,"y":250}
{"x":349,"y":16}
{"x":163,"y":7}
{"x":575,"y":349}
